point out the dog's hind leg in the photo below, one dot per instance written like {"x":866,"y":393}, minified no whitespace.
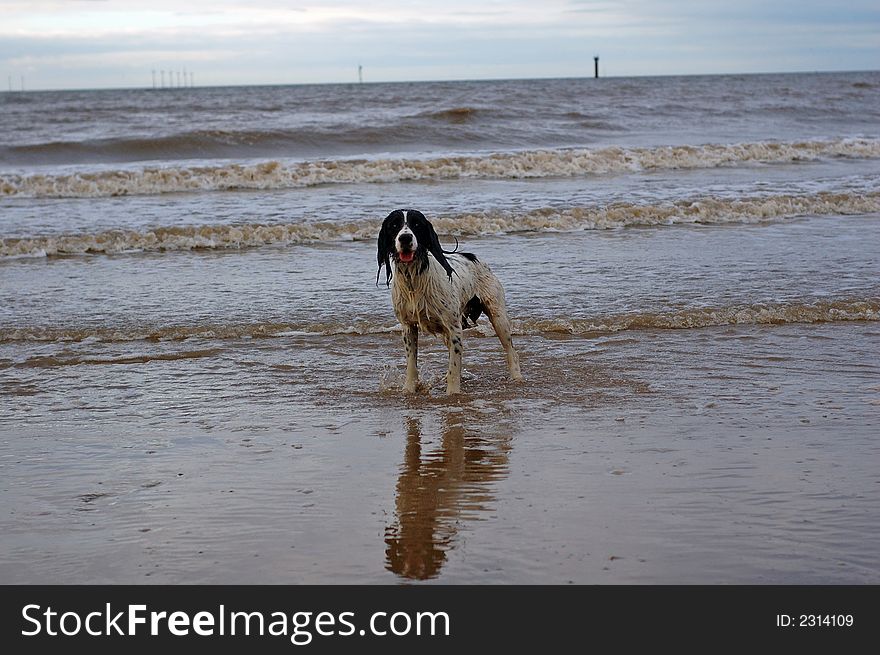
{"x":497,"y":313}
{"x":411,"y":344}
{"x":453,"y":375}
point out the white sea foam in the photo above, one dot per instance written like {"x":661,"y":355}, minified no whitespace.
{"x":708,"y":210}
{"x":823,"y":311}
{"x":511,"y":165}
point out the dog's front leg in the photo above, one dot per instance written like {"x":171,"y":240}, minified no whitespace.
{"x":453,"y":376}
{"x":411,"y":344}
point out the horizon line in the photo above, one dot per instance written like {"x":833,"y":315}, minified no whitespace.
{"x":149,"y":87}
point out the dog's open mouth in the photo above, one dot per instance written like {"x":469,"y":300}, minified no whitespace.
{"x":406,"y":256}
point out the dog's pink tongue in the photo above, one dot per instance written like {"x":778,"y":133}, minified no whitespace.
{"x":407,"y":256}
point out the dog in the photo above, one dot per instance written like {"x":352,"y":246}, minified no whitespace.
{"x":439,"y":292}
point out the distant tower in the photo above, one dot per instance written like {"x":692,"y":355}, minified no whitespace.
{"x":154,"y":78}
{"x":360,"y":74}
{"x":596,"y":66}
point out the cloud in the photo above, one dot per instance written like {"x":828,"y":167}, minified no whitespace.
{"x":258,"y":41}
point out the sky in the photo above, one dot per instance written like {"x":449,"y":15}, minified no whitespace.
{"x":57,"y":44}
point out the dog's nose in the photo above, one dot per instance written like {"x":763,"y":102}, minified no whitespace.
{"x":405,"y":239}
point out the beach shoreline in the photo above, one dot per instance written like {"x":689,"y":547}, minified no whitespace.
{"x":642,"y":459}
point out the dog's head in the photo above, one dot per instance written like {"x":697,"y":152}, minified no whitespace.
{"x":406,"y":238}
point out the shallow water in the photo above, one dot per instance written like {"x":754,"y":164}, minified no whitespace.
{"x":201,"y":381}
{"x":726,"y":454}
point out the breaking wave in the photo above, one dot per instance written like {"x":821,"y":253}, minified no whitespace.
{"x":512,"y":165}
{"x":454,"y":115}
{"x":822,"y":311}
{"x":709,"y":210}
{"x":825,"y":311}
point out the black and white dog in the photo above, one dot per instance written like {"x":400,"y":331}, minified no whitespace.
{"x":439,"y":292}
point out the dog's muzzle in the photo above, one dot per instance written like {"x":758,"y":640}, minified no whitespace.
{"x":405,"y":247}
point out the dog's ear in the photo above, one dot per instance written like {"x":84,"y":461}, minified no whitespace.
{"x":385,"y":247}
{"x":436,"y":249}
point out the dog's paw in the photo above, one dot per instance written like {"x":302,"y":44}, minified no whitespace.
{"x":417,"y":389}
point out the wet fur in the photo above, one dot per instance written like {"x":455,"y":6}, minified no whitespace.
{"x":439,"y":292}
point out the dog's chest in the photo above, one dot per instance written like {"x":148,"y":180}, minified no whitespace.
{"x":433,"y":309}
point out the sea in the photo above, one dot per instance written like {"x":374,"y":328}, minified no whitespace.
{"x":201,"y":380}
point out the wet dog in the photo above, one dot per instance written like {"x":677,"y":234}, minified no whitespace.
{"x":438,"y":291}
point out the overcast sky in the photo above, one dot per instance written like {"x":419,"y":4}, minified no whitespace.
{"x":110,"y":43}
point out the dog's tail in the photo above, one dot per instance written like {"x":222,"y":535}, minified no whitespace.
{"x":452,"y":252}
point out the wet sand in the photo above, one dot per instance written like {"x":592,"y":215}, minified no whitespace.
{"x":732,"y":454}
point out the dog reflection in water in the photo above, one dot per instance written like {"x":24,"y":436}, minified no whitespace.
{"x":436,"y":491}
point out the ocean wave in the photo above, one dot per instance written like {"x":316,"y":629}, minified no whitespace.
{"x":820,"y":311}
{"x":270,"y":136}
{"x":51,"y":361}
{"x":197,"y":143}
{"x":511,"y":165}
{"x":203,"y":237}
{"x":824,"y":311}
{"x":708,"y":210}
{"x":184,"y":332}
{"x":453,"y":115}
